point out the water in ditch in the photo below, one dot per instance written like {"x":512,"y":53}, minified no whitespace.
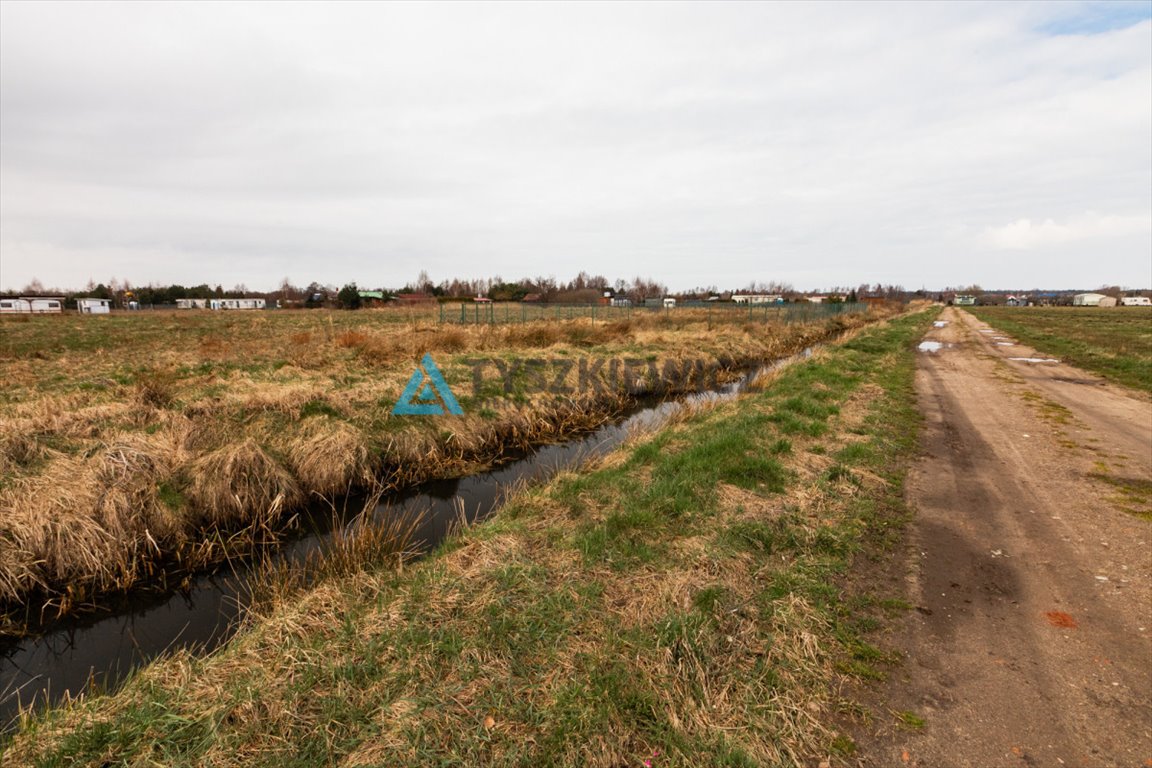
{"x":97,"y":651}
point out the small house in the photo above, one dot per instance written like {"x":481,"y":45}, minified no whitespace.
{"x":93,"y":306}
{"x":669,"y":303}
{"x":964,"y":300}
{"x":372,"y":298}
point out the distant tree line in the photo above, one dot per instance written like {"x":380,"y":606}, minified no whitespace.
{"x":584,"y":288}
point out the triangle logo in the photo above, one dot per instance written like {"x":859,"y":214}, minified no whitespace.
{"x":427,"y":394}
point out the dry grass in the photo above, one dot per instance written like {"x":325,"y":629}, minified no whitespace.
{"x":589,"y":624}
{"x":110,"y":468}
{"x":240,"y":482}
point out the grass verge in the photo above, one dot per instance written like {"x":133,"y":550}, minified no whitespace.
{"x":680,"y":602}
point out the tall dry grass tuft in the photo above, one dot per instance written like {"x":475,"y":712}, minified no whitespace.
{"x":156,"y":388}
{"x":50,"y":534}
{"x":366,"y":542}
{"x":238,"y":484}
{"x":18,"y":450}
{"x":349,"y":339}
{"x":532,"y":335}
{"x":331,"y":456}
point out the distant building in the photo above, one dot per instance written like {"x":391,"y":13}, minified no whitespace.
{"x":1016,"y":301}
{"x":757,"y":298}
{"x":964,"y":300}
{"x":415,"y":298}
{"x":372,"y":298}
{"x":93,"y":306}
{"x":817,"y":299}
{"x":191,"y":303}
{"x":219,"y":304}
{"x":669,"y":303}
{"x":32,"y":304}
{"x":532,"y":298}
{"x":1093,"y":300}
{"x":1136,"y":301}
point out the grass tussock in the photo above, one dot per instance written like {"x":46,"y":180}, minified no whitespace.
{"x":240,"y":482}
{"x":680,"y":602}
{"x":330,"y":457}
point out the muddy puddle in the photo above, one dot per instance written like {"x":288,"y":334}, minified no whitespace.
{"x":95,"y":652}
{"x":1034,"y":359}
{"x":931,"y":346}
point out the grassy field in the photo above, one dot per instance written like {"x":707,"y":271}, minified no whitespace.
{"x":678,"y":603}
{"x":141,"y":445}
{"x":1115,"y":342}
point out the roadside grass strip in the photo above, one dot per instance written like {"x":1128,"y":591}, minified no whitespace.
{"x":679,"y":602}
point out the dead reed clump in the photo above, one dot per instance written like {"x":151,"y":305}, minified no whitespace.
{"x":129,"y":474}
{"x":349,"y":339}
{"x":19,"y":449}
{"x":330,"y":456}
{"x":449,"y":339}
{"x":533,"y":335}
{"x":238,"y":484}
{"x":156,"y":388}
{"x":52,"y":536}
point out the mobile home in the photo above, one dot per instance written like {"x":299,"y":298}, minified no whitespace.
{"x":1093,"y":300}
{"x":191,"y":303}
{"x":13,"y":306}
{"x":93,"y":306}
{"x":236,"y":303}
{"x":45,"y":304}
{"x":1136,"y":301}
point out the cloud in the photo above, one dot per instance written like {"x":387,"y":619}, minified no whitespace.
{"x":704,"y":143}
{"x":1024,"y":234}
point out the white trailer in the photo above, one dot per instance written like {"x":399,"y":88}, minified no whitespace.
{"x":14,"y":306}
{"x":93,"y":306}
{"x":236,"y":304}
{"x":45,"y":304}
{"x":1136,"y":301}
{"x":191,"y":303}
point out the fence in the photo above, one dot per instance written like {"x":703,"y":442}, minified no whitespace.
{"x":504,"y":313}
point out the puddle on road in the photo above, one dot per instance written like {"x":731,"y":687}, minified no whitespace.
{"x":1034,"y":359}
{"x":930,"y":346}
{"x":987,"y":330}
{"x":939,"y":323}
{"x":1005,"y":343}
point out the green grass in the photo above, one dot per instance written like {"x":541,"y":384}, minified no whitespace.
{"x":683,"y":601}
{"x":1115,"y":342}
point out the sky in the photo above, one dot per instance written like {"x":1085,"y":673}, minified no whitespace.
{"x":713,"y":144}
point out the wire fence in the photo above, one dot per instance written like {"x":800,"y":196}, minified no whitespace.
{"x":504,"y":313}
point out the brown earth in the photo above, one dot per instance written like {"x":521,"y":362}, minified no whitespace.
{"x":1031,"y":642}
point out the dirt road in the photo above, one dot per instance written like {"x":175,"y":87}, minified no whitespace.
{"x":1031,"y":642}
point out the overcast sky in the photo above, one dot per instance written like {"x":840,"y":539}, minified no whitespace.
{"x":923,"y":144}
